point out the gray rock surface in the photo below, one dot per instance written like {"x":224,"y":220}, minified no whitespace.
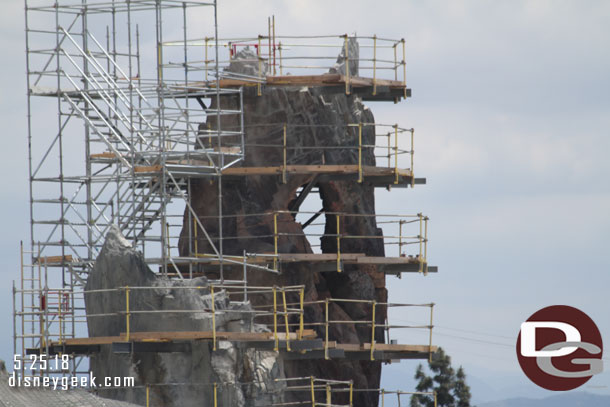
{"x":353,"y":55}
{"x":178,"y":379}
{"x":246,"y":62}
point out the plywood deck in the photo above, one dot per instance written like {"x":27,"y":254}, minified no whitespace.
{"x":368,"y":88}
{"x":309,"y":347}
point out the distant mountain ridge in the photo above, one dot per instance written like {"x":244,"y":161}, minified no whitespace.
{"x":560,"y":400}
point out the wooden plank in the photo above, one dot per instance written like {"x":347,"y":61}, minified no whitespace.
{"x":400,"y":348}
{"x":349,"y":347}
{"x":386,"y":260}
{"x":96,"y":340}
{"x":316,"y":169}
{"x":313,"y":257}
{"x":185,"y":335}
{"x":52,"y":260}
{"x":326,"y":79}
{"x":148,"y":168}
{"x":106,"y":154}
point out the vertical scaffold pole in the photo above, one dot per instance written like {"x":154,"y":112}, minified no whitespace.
{"x":400,"y":222}
{"x":279,"y":48}
{"x":301,"y":312}
{"x":347,"y":73}
{"x":338,"y":243}
{"x":374,"y":64}
{"x":431,"y":326}
{"x":215,"y":394}
{"x":395,"y":62}
{"x":426,"y":245}
{"x":360,"y":153}
{"x":313,"y":392}
{"x":285,"y":156}
{"x":127,"y":315}
{"x":275,"y":242}
{"x":351,"y":393}
{"x":60,"y":315}
{"x":421,"y":242}
{"x":382,"y":397}
{"x":206,"y":59}
{"x":245,"y":270}
{"x":196,"y":240}
{"x":373,"y":332}
{"x":213,"y":318}
{"x":327,"y":328}
{"x":269,"y":41}
{"x":389,"y":156}
{"x":412,"y":161}
{"x":286,"y":320}
{"x":396,"y":154}
{"x":147,"y":396}
{"x":276,"y":346}
{"x":328,"y":396}
{"x":260,"y":66}
{"x":273,"y":33}
{"x":404,"y":67}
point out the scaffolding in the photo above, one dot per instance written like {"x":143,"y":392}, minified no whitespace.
{"x":115,"y":137}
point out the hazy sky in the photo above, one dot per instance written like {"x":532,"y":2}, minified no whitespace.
{"x":511,"y":106}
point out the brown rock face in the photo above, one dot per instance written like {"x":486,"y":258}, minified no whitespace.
{"x":313,"y":119}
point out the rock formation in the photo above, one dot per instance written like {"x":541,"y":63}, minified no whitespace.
{"x":179,"y":379}
{"x":315,"y":118}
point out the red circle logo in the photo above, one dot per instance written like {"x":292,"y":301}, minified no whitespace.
{"x":560,"y":348}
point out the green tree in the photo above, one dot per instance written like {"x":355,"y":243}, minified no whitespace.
{"x":461,"y":389}
{"x":451,"y":388}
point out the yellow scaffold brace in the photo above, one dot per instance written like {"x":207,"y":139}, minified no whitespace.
{"x":215,"y":394}
{"x":147,"y":396}
{"x":373,"y":332}
{"x":351,"y":393}
{"x":275,"y":337}
{"x":127,"y":315}
{"x":313,"y":392}
{"x":302,"y":316}
{"x":213,"y":318}
{"x":286,"y":320}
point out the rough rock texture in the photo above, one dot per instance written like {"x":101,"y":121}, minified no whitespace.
{"x":315,"y":119}
{"x":119,"y":265}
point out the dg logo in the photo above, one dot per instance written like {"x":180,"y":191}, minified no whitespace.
{"x":560,"y":348}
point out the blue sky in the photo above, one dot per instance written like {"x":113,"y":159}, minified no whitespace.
{"x":511,"y":106}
